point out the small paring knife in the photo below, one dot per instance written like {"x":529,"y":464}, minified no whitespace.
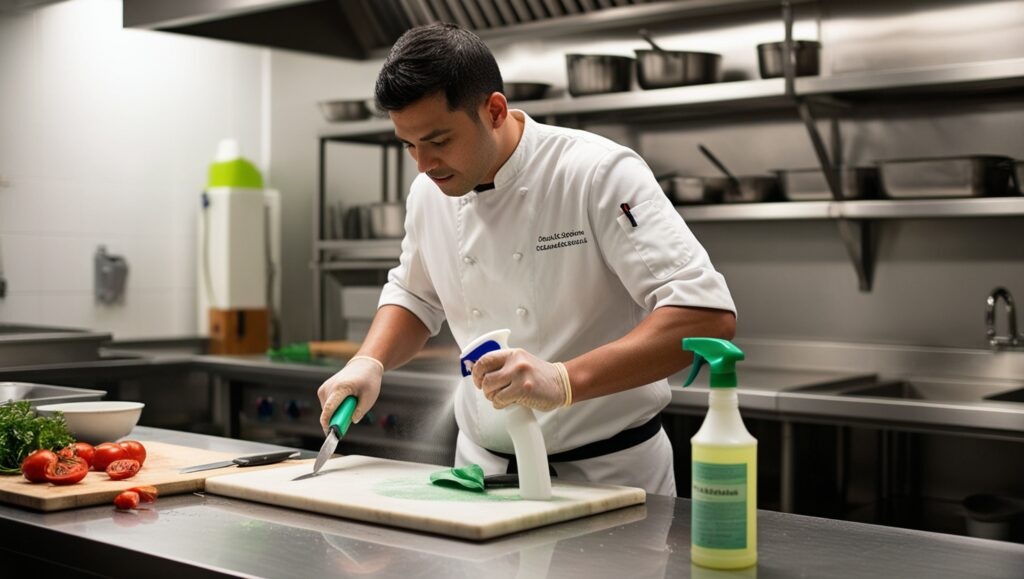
{"x":339,"y":424}
{"x":242,"y":461}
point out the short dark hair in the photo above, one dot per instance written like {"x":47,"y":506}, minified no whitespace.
{"x":440,"y":57}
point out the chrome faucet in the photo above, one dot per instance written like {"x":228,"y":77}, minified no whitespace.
{"x":1014,"y":340}
{"x":3,"y":280}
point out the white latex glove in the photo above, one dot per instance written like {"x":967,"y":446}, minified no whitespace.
{"x":516,"y":376}
{"x":361,"y":378}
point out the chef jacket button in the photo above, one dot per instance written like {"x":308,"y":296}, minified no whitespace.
{"x":521,"y":312}
{"x":477,"y":313}
{"x":523,"y":190}
{"x":467,"y":260}
{"x":517,"y":256}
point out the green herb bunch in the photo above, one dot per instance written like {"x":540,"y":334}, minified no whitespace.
{"x":22,"y":432}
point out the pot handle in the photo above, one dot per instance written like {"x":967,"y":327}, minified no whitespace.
{"x":1013,"y":178}
{"x":721,"y":167}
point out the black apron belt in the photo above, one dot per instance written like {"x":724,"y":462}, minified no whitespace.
{"x":626,"y":439}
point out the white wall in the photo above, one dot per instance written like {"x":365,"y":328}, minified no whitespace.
{"x":105,"y":138}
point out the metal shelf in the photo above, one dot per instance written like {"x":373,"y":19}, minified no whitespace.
{"x":757,"y":211}
{"x":717,"y":97}
{"x":373,"y":132}
{"x":745,"y":95}
{"x":874,"y":209}
{"x":349,"y":264}
{"x":359,"y":254}
{"x":933,"y":208}
{"x":361,"y":248}
{"x":986,"y":76}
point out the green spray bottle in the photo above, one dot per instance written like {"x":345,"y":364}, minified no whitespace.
{"x":724,"y":470}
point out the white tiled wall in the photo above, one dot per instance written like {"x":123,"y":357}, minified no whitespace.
{"x":105,"y":138}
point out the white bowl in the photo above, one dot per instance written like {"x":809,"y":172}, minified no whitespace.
{"x":96,"y":422}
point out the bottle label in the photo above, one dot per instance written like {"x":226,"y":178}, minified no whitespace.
{"x":719,"y":505}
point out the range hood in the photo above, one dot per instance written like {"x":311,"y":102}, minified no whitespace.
{"x":362,"y":29}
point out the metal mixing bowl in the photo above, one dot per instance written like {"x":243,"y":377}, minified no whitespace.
{"x":667,"y":68}
{"x":344,"y":110}
{"x":808,"y":55}
{"x":598,"y":73}
{"x":526,"y":91}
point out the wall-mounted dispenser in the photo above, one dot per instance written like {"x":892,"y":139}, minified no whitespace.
{"x":111,"y":273}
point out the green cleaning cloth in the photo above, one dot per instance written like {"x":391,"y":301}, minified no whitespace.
{"x":298,"y":352}
{"x":469,"y":477}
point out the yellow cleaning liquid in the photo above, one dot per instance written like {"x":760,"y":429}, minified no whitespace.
{"x":724,"y":531}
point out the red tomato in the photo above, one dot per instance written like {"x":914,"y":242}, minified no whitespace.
{"x":107,"y":453}
{"x":146,"y":493}
{"x":124,"y":468}
{"x":34,"y":465}
{"x":127,"y":500}
{"x":134,"y":449}
{"x":82,"y":449}
{"x":67,"y":470}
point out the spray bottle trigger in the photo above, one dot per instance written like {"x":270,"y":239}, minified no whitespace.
{"x":698,"y":361}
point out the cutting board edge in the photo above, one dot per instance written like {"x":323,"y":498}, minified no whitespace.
{"x":99,"y":497}
{"x":92,"y":497}
{"x":629,"y":496}
{"x":588,"y":509}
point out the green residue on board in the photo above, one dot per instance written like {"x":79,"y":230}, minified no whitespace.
{"x":419,"y":488}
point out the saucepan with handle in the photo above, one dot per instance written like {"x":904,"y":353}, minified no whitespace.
{"x":747,"y":189}
{"x":660,"y":68}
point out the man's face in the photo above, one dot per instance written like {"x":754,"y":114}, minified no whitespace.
{"x":455,"y":150}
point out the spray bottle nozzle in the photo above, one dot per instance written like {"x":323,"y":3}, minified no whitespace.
{"x":720,"y":355}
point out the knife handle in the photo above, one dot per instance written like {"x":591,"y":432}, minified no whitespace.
{"x":269,"y":458}
{"x":343,"y":416}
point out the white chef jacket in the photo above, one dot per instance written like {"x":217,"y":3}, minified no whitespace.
{"x":549,"y":254}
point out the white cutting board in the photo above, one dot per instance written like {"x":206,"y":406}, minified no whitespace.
{"x":399,"y":494}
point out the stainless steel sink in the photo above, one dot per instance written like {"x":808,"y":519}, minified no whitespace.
{"x":29,"y":345}
{"x":45,"y":393}
{"x":22,"y":330}
{"x":933,"y":390}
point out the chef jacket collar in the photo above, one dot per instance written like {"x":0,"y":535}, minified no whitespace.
{"x":508,"y":172}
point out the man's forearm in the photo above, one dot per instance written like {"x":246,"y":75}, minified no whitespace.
{"x":395,"y":336}
{"x":651,"y":351}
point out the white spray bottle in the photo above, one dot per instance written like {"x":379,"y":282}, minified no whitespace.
{"x":724,"y":469}
{"x":523,"y":428}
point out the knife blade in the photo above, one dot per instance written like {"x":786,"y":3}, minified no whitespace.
{"x":242,"y":461}
{"x":337,"y":428}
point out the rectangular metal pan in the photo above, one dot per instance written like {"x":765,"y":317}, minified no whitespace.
{"x":946,"y":177}
{"x":811,"y":185}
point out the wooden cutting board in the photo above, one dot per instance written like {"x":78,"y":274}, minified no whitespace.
{"x":160,"y":470}
{"x":347,"y":349}
{"x":399,"y":494}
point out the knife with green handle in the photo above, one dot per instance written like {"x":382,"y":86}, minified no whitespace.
{"x":339,"y":424}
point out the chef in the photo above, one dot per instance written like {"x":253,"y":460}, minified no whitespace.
{"x":563,"y":237}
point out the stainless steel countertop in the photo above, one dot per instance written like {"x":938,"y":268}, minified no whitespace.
{"x":760,"y":387}
{"x":793,"y":381}
{"x":197,"y":535}
{"x":786,"y":393}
